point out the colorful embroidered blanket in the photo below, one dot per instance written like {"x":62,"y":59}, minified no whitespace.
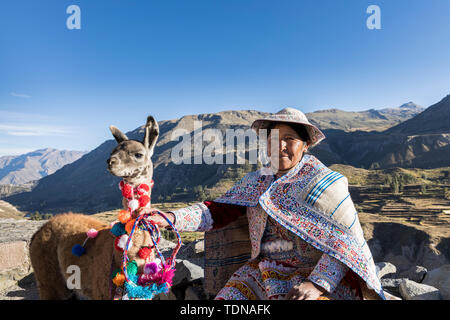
{"x":313,"y":202}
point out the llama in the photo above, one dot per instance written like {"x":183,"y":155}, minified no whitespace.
{"x":51,"y":246}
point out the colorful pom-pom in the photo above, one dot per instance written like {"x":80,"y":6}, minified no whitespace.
{"x":92,"y":233}
{"x":132,"y":267}
{"x":121,"y":242}
{"x":133,"y":204}
{"x":144,"y":292}
{"x":129,"y":225}
{"x":151,"y":268}
{"x":115,"y":272}
{"x":78,"y":250}
{"x":144,"y":253}
{"x":127,"y":191}
{"x":144,"y":200}
{"x":124,"y":216}
{"x":167,"y":276}
{"x":119,"y":279}
{"x":118,"y":229}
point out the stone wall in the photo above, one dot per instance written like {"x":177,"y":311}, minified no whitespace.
{"x":16,"y":280}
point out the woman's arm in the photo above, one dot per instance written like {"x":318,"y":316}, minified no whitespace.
{"x":202,"y":216}
{"x":325,"y":277}
{"x":328,"y":272}
{"x":208,"y":215}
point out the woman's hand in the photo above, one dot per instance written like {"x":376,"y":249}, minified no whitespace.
{"x":156,"y":218}
{"x":305,"y":291}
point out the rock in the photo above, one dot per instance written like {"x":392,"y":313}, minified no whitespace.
{"x":199,"y":247}
{"x":15,"y":264}
{"x":411,"y":290}
{"x":12,"y":255}
{"x":401,"y":263}
{"x":385,"y":269}
{"x":192,"y":250}
{"x":439,"y":278}
{"x":12,"y":230}
{"x":376,"y":248}
{"x":392,"y":285}
{"x":416,"y":273}
{"x":6,"y":284}
{"x":194,"y":293}
{"x":169,"y":296}
{"x":186,"y":272}
{"x":165,"y":245}
{"x":390,"y":296}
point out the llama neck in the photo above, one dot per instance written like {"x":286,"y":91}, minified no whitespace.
{"x":142,"y":176}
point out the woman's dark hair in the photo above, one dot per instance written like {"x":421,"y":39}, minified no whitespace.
{"x":297,"y":127}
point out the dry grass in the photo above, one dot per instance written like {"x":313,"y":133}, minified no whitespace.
{"x":8,"y":211}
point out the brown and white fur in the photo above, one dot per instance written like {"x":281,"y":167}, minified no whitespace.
{"x":51,"y":246}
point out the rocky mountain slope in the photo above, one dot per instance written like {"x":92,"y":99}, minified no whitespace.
{"x":434,"y":120}
{"x":17,"y":170}
{"x":420,"y":142}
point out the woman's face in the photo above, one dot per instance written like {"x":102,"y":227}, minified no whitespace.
{"x":290,"y":147}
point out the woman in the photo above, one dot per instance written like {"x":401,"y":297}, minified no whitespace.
{"x":306,"y":239}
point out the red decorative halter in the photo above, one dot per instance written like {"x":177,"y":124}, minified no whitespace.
{"x":137,"y":197}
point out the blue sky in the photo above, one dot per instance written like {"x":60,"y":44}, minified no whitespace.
{"x":62,"y":88}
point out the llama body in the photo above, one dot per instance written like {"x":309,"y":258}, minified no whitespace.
{"x":51,"y":246}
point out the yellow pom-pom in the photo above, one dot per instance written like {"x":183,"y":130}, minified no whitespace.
{"x":129,"y":226}
{"x":119,"y":279}
{"x":124,"y":216}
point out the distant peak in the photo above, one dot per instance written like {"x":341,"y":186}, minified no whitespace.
{"x":409,"y":105}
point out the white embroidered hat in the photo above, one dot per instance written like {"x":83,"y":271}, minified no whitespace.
{"x":291,"y":115}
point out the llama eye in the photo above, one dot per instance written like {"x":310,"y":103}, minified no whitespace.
{"x":138,"y":155}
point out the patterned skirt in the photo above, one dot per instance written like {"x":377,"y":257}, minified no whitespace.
{"x":266,"y":279}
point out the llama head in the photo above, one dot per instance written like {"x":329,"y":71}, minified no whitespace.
{"x":131,"y":159}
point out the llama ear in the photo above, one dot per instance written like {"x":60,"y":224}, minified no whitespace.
{"x":118,"y":135}
{"x":151,"y":134}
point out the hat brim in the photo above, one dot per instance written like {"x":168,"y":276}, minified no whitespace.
{"x":315,"y":135}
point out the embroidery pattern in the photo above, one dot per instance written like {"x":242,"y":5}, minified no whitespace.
{"x":284,"y":201}
{"x":193,"y":218}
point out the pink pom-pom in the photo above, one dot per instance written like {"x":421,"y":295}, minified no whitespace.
{"x":145,"y":278}
{"x":150,"y":268}
{"x":167,"y":276}
{"x":133,"y":204}
{"x":92,"y":233}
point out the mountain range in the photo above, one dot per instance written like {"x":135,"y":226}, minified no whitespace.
{"x":22,"y":169}
{"x":421,"y":139}
{"x":369,"y":120}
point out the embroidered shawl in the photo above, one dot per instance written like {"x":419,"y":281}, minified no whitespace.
{"x":313,"y":202}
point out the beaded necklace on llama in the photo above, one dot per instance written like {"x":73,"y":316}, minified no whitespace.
{"x":158,"y":274}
